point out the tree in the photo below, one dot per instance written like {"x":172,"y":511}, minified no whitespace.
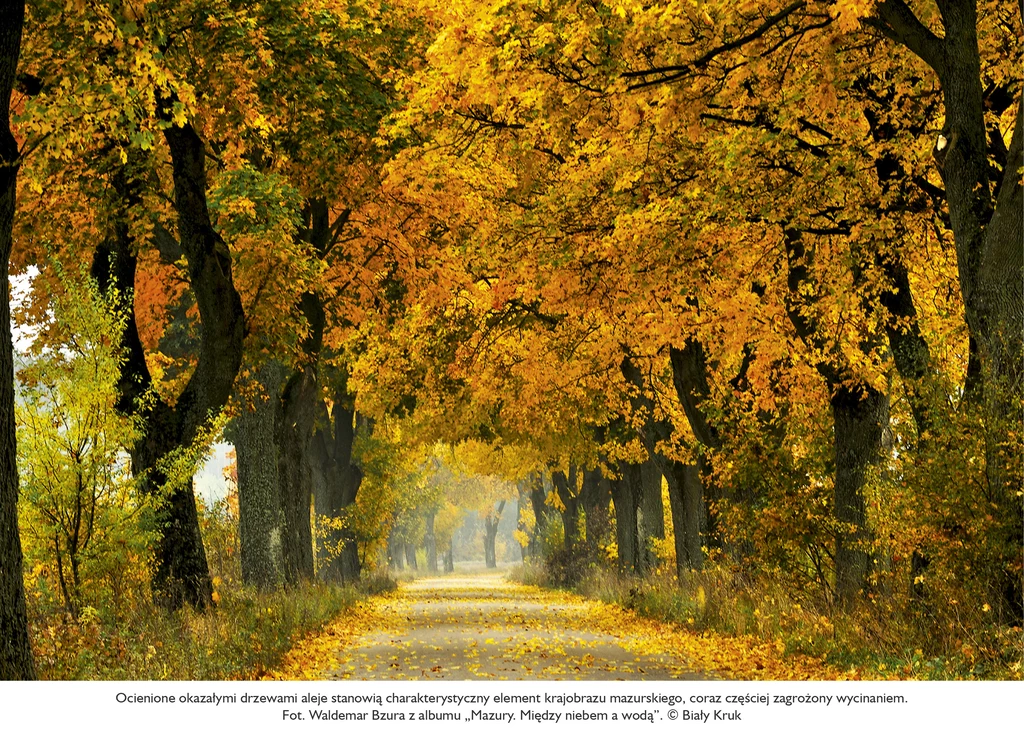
{"x":181,"y":575}
{"x":138,"y":109}
{"x":986,"y":215}
{"x":338,"y":464}
{"x":492,"y":518}
{"x":15,"y":652}
{"x":538,"y":504}
{"x":259,"y":503}
{"x":82,"y":516}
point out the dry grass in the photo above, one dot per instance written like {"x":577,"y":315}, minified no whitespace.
{"x":246,"y":634}
{"x":885,"y":637}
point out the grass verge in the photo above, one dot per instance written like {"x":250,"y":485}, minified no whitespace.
{"x":882,"y":639}
{"x":247,"y":634}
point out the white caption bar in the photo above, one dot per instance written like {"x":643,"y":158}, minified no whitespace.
{"x":171,"y":706}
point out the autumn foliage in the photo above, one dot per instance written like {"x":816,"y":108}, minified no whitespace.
{"x":720,"y":301}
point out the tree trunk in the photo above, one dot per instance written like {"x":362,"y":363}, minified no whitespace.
{"x":180,"y":574}
{"x":430,"y":543}
{"x":1000,"y":305}
{"x":910,"y":352}
{"x":538,"y":499}
{"x":410,"y":556}
{"x":351,"y":563}
{"x":651,"y":512}
{"x":689,"y":513}
{"x":626,"y":534}
{"x":988,"y":225}
{"x":644,"y":483}
{"x":294,"y":428}
{"x":299,"y":471}
{"x":595,"y":496}
{"x":396,"y":548}
{"x":565,"y":488}
{"x":913,"y":360}
{"x":15,"y":652}
{"x":449,"y":558}
{"x":333,"y":456}
{"x":685,"y":488}
{"x":491,"y":534}
{"x":690,"y":378}
{"x":696,"y":491}
{"x":259,"y":505}
{"x":860,"y":418}
{"x":296,"y":418}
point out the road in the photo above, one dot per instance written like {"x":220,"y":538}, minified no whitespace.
{"x":483,"y":627}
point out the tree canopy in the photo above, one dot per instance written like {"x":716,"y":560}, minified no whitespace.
{"x":763,"y":258}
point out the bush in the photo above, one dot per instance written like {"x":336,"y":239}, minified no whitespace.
{"x":531,"y":572}
{"x":81,"y":517}
{"x":378,"y":582}
{"x":244,"y":636}
{"x":567,"y":568}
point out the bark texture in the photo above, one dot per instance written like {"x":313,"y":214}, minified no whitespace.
{"x":259,"y":505}
{"x":15,"y":652}
{"x":860,"y":417}
{"x":565,"y":488}
{"x":690,"y":378}
{"x":595,"y":497}
{"x":647,"y":522}
{"x":294,"y":432}
{"x":650,"y":510}
{"x":541,"y":513}
{"x":301,"y":470}
{"x":342,"y":476}
{"x":626,"y":534}
{"x":687,"y":500}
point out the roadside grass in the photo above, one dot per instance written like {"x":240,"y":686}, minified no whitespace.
{"x":886,"y":638}
{"x":245,"y":635}
{"x":124,"y":635}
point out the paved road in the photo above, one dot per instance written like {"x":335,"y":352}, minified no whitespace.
{"x":480,"y":626}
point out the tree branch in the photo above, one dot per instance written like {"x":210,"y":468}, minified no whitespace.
{"x":678,"y":72}
{"x":896,"y":21}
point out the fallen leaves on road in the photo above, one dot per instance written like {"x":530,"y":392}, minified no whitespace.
{"x":485,"y":627}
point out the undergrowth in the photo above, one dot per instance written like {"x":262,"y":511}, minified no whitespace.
{"x":122,"y":634}
{"x":245,"y":635}
{"x":883,"y":638}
